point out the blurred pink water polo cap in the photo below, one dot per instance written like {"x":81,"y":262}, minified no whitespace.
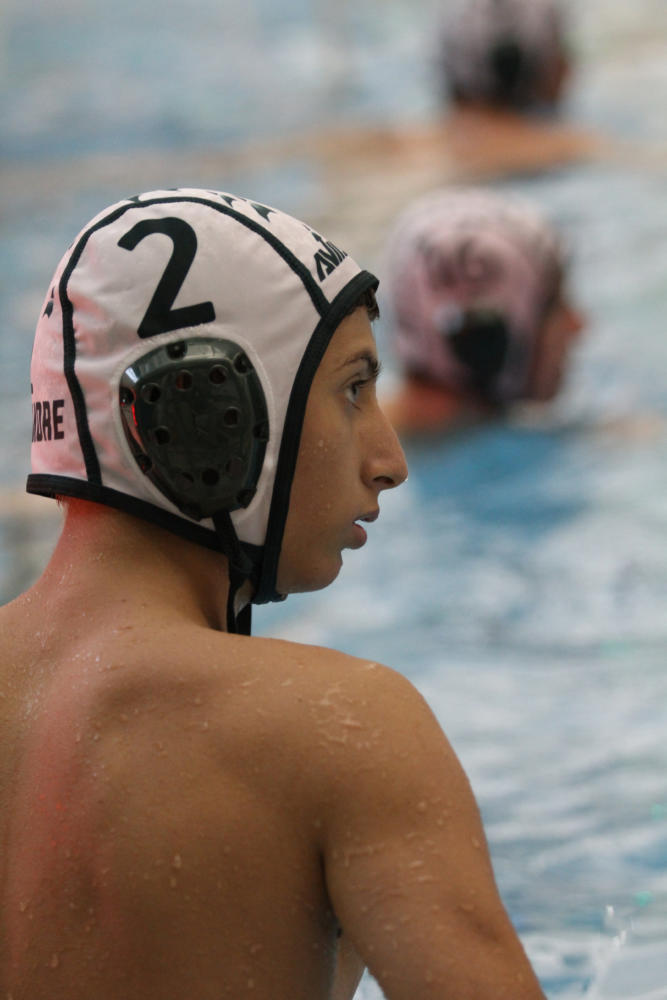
{"x":468,"y":271}
{"x":500,"y":50}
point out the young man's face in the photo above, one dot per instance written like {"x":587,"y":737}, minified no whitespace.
{"x":348,"y":454}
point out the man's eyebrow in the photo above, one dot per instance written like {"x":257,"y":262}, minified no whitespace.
{"x":370,"y":360}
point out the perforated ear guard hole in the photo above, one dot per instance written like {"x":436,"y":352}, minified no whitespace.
{"x":195,"y":417}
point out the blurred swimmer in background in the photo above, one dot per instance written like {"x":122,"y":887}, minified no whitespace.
{"x":505,"y":53}
{"x":503,"y":67}
{"x":500,"y":73}
{"x":480,"y":316}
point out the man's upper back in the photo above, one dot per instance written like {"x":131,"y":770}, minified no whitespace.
{"x":193,"y":813}
{"x":161,"y":792}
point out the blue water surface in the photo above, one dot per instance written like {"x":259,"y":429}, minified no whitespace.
{"x":519,"y":578}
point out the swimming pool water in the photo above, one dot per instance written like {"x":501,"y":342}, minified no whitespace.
{"x":520,"y":576}
{"x":520,"y":579}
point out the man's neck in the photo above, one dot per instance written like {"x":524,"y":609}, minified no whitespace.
{"x":105,"y":557}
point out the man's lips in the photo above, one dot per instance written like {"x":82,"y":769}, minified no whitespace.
{"x":359,"y":533}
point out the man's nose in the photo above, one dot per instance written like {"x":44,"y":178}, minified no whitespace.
{"x":388,"y":467}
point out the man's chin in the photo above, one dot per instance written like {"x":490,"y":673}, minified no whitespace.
{"x":306,"y":583}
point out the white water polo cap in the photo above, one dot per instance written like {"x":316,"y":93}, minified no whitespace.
{"x":470,"y":278}
{"x":501,"y":51}
{"x":172,"y":363}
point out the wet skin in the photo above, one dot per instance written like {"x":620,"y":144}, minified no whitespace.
{"x":348,"y":454}
{"x":559,"y":334}
{"x":188,"y":813}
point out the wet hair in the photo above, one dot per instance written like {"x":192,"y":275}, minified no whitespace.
{"x":368,"y":301}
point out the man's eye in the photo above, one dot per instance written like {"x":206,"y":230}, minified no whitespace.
{"x":354,"y":388}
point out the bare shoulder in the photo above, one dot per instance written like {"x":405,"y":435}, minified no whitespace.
{"x":362,"y":723}
{"x":356,"y":692}
{"x":340,"y":717}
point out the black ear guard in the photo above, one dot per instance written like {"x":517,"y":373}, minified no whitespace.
{"x":514,"y":71}
{"x":481,"y":342}
{"x":195,"y":417}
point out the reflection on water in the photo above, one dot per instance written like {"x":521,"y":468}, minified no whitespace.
{"x":520,"y":577}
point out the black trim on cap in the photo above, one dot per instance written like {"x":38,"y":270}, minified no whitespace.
{"x":265,"y":584}
{"x":45,"y":485}
{"x":54,"y":486}
{"x":318,"y":297}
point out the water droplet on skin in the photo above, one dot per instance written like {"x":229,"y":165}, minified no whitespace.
{"x":55,"y":961}
{"x":23,"y":907}
{"x":177,"y":861}
{"x":422,"y":807}
{"x":475,"y":843}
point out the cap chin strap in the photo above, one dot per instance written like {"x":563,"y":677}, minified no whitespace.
{"x":240,"y":569}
